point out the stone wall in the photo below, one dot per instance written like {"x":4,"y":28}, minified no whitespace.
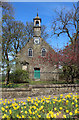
{"x":38,"y":90}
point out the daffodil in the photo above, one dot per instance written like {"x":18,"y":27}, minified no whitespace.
{"x":25,"y":112}
{"x":47,"y":116}
{"x":39,"y":116}
{"x":17,"y":116}
{"x":8,"y":118}
{"x":76,"y":111}
{"x":64,"y":116}
{"x":6,"y":107}
{"x":3,"y":103}
{"x":54,"y":115}
{"x":2,"y":108}
{"x":67,"y":111}
{"x":1,"y":99}
{"x":8,"y":102}
{"x":14,"y":99}
{"x":23,"y":116}
{"x":76,"y":105}
{"x":24,"y":106}
{"x":42,"y":107}
{"x":55,"y":109}
{"x":70,"y":113}
{"x":67,"y":101}
{"x":57,"y":113}
{"x":76,"y":101}
{"x":43,"y":110}
{"x":6,"y":111}
{"x":30,"y":111}
{"x":3,"y":116}
{"x":53,"y":102}
{"x":72,"y":103}
{"x":36,"y":104}
{"x":36,"y":111}
{"x":10,"y":111}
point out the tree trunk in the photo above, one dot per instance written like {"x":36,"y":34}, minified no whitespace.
{"x":7,"y":77}
{"x":72,"y":79}
{"x":8,"y":68}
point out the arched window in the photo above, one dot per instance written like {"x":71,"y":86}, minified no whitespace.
{"x":37,"y":23}
{"x":30,"y":52}
{"x":43,"y":51}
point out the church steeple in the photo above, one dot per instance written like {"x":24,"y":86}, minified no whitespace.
{"x":37,"y":26}
{"x":37,"y":29}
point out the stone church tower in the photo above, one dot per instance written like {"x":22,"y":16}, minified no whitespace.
{"x":30,"y":54}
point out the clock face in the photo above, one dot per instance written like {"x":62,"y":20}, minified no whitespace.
{"x":36,"y":40}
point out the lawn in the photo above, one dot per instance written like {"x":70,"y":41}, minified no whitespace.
{"x":50,"y":82}
{"x":57,"y":107}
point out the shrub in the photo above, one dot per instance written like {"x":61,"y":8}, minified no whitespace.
{"x":3,"y":77}
{"x":19,"y":76}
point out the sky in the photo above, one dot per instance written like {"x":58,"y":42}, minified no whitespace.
{"x":26,"y":11}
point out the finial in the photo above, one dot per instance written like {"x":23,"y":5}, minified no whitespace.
{"x":37,"y":14}
{"x":37,"y":11}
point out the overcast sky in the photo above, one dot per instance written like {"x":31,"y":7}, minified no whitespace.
{"x":26,"y":11}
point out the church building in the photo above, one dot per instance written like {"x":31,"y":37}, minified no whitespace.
{"x":30,"y":56}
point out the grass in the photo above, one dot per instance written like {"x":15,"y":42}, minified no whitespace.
{"x":50,"y":82}
{"x":58,"y":107}
{"x":44,"y":82}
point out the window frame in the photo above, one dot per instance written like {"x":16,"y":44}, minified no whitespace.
{"x":28,"y":52}
{"x":42,"y":51}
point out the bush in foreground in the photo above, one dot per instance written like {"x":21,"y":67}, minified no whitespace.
{"x":19,"y":76}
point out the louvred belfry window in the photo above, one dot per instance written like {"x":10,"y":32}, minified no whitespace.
{"x":37,"y":23}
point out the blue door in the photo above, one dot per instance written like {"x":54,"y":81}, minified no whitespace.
{"x":36,"y":73}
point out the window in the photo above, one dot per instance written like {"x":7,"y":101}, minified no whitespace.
{"x":30,"y":52}
{"x":43,"y":52}
{"x":24,"y":67}
{"x":37,"y":23}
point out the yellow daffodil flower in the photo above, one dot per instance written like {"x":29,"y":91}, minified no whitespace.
{"x":67,"y":111}
{"x":2,"y":108}
{"x":70,"y":113}
{"x":64,"y":116}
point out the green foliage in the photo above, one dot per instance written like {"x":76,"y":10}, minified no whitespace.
{"x":19,"y":76}
{"x":14,"y":85}
{"x":3,"y":78}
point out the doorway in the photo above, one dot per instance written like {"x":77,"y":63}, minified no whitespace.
{"x":36,"y":73}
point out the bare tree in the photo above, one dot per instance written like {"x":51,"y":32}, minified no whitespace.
{"x":66,"y":22}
